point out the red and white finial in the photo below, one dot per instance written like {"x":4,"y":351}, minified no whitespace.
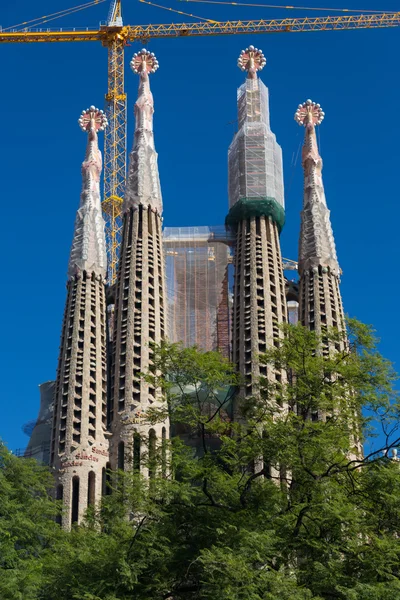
{"x":144,"y":61}
{"x":251,"y":60}
{"x":309,"y":112}
{"x":95,"y":115}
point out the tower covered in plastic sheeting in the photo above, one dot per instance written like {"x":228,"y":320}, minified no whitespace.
{"x":256,"y":217}
{"x":198,"y":261}
{"x":255,"y":172}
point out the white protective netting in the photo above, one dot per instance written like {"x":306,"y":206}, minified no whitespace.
{"x":198,"y":287}
{"x":254,"y":157}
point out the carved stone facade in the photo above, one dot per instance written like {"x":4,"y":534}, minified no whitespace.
{"x":139,"y":323}
{"x":259,"y":302}
{"x":79,"y":445}
{"x":140,"y":314}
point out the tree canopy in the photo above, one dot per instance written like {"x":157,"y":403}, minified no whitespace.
{"x":260,"y":499}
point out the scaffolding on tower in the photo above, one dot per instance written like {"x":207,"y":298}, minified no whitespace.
{"x":199,"y":281}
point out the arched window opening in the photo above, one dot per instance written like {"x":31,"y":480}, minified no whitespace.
{"x":121,"y":456}
{"x":136,"y":451}
{"x":59,"y":496}
{"x":164,"y":452}
{"x":91,"y":488}
{"x":152,"y":453}
{"x":75,"y":500}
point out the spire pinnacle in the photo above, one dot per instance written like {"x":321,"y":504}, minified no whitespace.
{"x":309,"y":113}
{"x":88,"y":251}
{"x":143,"y":184}
{"x":144,"y":62}
{"x":317,"y":245}
{"x":251,"y":60}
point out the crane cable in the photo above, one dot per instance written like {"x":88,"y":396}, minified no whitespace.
{"x":56,"y":15}
{"x":69,"y":11}
{"x":177,"y":11}
{"x":353,"y":10}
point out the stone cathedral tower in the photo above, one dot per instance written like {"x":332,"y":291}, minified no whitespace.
{"x":79,"y":445}
{"x":320,"y":303}
{"x":140,"y":311}
{"x":257,"y":216}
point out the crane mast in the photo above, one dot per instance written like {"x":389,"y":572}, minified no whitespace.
{"x":114,"y":140}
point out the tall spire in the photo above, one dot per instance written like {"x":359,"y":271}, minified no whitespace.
{"x":257,"y":216}
{"x":88,"y":252}
{"x":320,"y":303}
{"x":317,"y":245}
{"x":79,"y":444}
{"x":143,"y":183}
{"x":140,"y":299}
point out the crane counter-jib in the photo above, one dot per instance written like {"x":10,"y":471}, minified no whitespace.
{"x":146,"y":32}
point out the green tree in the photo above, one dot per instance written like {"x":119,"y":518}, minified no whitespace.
{"x":275,"y":504}
{"x":27,"y":525}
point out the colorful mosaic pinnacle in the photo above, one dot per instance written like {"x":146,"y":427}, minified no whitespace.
{"x":251,"y":60}
{"x":90,"y":115}
{"x":144,"y":61}
{"x":309,"y":112}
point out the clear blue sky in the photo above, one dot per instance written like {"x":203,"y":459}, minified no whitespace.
{"x":352,"y":74}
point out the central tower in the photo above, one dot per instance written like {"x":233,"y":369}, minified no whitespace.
{"x":140,"y":291}
{"x":257,"y":216}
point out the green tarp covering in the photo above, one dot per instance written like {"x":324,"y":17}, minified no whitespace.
{"x":256,"y":207}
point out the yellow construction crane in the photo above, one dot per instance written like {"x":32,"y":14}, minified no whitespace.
{"x":115,"y":35}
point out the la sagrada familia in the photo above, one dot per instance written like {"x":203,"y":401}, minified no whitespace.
{"x":100,"y":396}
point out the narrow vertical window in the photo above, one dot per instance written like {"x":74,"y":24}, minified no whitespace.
{"x":121,"y":456}
{"x":75,"y":500}
{"x":91,"y":488}
{"x":59,"y":496}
